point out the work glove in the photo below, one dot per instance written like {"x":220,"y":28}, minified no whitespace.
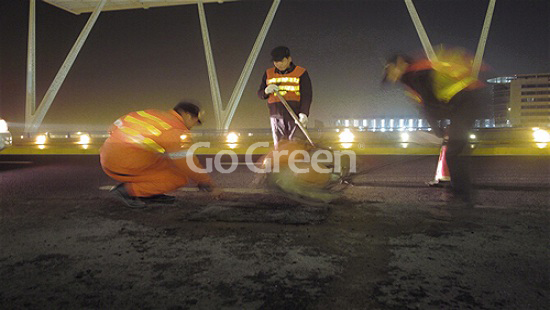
{"x":271,"y":88}
{"x":303,"y":119}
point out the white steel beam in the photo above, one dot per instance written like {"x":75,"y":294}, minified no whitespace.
{"x":213,"y":77}
{"x":38,"y":117}
{"x":30,"y":100}
{"x":483,"y":38}
{"x":229,"y":112}
{"x":421,"y":31}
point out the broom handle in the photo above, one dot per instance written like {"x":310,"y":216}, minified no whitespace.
{"x":296,"y":119}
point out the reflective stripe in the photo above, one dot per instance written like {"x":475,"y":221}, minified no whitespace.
{"x":292,"y":80}
{"x":130,"y":131}
{"x":154,"y":118}
{"x":180,"y":154}
{"x":289,"y":88}
{"x":448,"y":93}
{"x":136,"y":137}
{"x":153,"y":145}
{"x":152,"y":129}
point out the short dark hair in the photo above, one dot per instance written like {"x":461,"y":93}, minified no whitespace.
{"x":188,"y":107}
{"x":279,"y":53}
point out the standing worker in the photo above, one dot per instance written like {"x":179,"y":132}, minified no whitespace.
{"x":445,"y":89}
{"x":147,"y":152}
{"x":294,"y":85}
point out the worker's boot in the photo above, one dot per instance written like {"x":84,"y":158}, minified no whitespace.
{"x":159,"y":200}
{"x":130,"y":201}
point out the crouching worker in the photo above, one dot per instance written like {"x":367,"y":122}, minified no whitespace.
{"x":147,"y":152}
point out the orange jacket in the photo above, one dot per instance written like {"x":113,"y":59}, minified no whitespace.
{"x":289,"y":84}
{"x":147,"y":137}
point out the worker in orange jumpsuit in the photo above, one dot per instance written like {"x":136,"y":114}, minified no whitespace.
{"x":147,"y":152}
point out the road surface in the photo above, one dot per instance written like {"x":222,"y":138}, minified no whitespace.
{"x":389,"y":243}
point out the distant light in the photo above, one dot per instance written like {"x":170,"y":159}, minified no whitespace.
{"x":84,"y":139}
{"x":541,"y":135}
{"x":40,"y":139}
{"x":41,"y":146}
{"x":346,"y":136}
{"x":232,"y":145}
{"x":405,"y":137}
{"x":232,"y":137}
{"x":183,"y":137}
{"x":404,"y":145}
{"x":3,"y":126}
{"x":542,"y":145}
{"x":346,"y":145}
{"x":473,"y":137}
{"x":250,"y":134}
{"x":509,"y":109}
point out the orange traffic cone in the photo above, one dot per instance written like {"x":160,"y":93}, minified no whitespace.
{"x":442,"y":175}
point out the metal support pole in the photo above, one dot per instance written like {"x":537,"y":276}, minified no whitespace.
{"x":421,"y":31}
{"x":296,"y":119}
{"x":229,"y":112}
{"x":483,"y":39}
{"x":214,"y":85}
{"x":30,"y":100}
{"x":64,"y":70}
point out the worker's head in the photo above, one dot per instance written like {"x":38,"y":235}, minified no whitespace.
{"x":190,"y":113}
{"x":281,"y":57}
{"x":395,"y":67}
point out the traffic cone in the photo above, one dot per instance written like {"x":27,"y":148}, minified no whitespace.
{"x":442,"y":175}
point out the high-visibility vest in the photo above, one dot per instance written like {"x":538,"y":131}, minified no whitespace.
{"x":451,"y":73}
{"x":289,"y":84}
{"x":144,"y":128}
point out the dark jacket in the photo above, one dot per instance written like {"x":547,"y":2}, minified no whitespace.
{"x":277,"y":109}
{"x":467,"y":104}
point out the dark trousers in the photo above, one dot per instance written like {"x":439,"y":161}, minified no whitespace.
{"x":469,"y":105}
{"x":283,"y":128}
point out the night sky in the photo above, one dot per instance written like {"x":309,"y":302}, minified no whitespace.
{"x":154,"y":58}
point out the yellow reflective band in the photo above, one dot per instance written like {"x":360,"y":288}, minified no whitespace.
{"x":289,"y":88}
{"x":282,"y":92}
{"x":291,"y":80}
{"x":448,"y":93}
{"x":153,"y":145}
{"x":154,"y":118}
{"x":137,"y":138}
{"x":130,"y":131}
{"x":152,"y":129}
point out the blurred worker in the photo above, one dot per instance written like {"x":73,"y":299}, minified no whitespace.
{"x":291,"y":170}
{"x":445,"y":89}
{"x":294,"y":85}
{"x":147,"y":152}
